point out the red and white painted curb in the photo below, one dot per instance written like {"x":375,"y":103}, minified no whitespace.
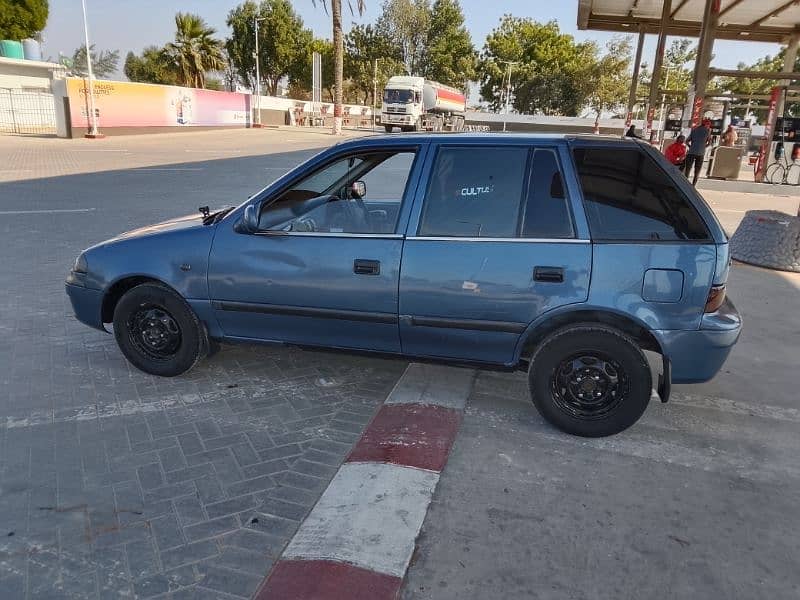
{"x":357,"y":541}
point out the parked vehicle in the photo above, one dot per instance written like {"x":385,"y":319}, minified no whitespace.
{"x":417,"y":104}
{"x":565,"y":256}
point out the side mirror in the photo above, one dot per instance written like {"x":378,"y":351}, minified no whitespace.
{"x":358,"y":190}
{"x":249,"y":222}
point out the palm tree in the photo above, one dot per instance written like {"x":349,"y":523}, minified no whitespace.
{"x":338,"y":55}
{"x":194,"y":50}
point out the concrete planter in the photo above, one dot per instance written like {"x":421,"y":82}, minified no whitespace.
{"x":768,"y":238}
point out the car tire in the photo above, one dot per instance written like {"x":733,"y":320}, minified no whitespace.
{"x":590,"y":380}
{"x":157,"y":331}
{"x":388,"y":128}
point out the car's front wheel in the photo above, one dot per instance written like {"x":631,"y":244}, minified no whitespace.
{"x":590,"y":380}
{"x":157,"y":331}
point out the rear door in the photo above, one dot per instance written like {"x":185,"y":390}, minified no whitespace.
{"x":492,"y":244}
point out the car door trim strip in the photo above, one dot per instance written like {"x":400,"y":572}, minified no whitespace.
{"x":306,"y":311}
{"x":473,"y":324}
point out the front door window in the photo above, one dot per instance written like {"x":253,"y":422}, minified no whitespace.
{"x":356,"y":194}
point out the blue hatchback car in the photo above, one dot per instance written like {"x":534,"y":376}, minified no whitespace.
{"x":564,"y":255}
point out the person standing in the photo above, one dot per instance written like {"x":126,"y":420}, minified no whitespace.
{"x":730,"y":137}
{"x":676,"y":151}
{"x":698,"y":140}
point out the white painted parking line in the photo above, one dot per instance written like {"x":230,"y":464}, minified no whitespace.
{"x":433,"y":385}
{"x":369,"y":516}
{"x":44,"y":212}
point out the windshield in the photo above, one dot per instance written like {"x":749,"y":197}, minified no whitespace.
{"x":398,"y":96}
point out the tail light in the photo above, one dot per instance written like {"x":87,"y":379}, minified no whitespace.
{"x":716,"y":296}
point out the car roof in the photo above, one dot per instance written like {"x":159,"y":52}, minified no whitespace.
{"x":482,"y":138}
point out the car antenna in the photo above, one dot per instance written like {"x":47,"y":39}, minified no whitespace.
{"x":205,"y":211}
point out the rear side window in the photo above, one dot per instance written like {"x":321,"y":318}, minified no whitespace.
{"x":475,"y":192}
{"x":629,"y":197}
{"x":545,"y":213}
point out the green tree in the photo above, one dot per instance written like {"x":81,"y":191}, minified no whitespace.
{"x":405,"y":23}
{"x":369,"y":53}
{"x":153,"y":66}
{"x":195,"y":50}
{"x":550,"y":74}
{"x":20,"y":19}
{"x":747,"y":88}
{"x":450,"y":56}
{"x":282,"y":42}
{"x":679,"y":58}
{"x":229,"y":75}
{"x":302,"y":73}
{"x":104,"y":63}
{"x":609,"y":79}
{"x":338,"y":57}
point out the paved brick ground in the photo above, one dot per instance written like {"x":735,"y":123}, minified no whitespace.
{"x":116,"y":484}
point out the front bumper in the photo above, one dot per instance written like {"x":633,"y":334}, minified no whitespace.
{"x":87,"y":304}
{"x":395,"y":119}
{"x":697,"y":356}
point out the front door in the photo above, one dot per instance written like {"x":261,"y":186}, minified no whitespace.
{"x":324,"y":267}
{"x":494,"y":247}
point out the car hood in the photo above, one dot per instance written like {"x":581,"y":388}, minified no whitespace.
{"x":177,"y":224}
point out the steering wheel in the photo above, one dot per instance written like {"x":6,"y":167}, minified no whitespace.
{"x":305,"y":224}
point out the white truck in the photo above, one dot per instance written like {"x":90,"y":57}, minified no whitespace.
{"x":416,"y":104}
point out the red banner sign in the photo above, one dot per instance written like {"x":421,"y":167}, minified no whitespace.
{"x":697,"y":111}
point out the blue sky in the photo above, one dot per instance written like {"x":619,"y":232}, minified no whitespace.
{"x":131,"y":25}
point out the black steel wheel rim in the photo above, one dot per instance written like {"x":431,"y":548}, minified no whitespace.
{"x":589,"y":385}
{"x":154,"y":332}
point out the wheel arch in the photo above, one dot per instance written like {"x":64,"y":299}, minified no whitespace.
{"x":117,"y":289}
{"x":539,"y":329}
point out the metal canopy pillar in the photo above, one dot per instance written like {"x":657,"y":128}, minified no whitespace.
{"x":666,"y":11}
{"x":705,"y":49}
{"x":788,"y":66}
{"x":637,"y":63}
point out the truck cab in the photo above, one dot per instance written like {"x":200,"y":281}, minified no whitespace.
{"x":403,"y":103}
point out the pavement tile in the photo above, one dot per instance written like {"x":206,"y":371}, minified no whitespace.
{"x":232,"y":506}
{"x":236,"y":583}
{"x":189,"y":553}
{"x":210,"y":529}
{"x":189,"y":510}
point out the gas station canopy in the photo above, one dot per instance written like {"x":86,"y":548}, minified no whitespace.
{"x":753,"y":20}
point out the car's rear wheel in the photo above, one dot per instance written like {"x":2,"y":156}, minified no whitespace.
{"x":157,"y":331}
{"x":590,"y":380}
{"x":388,"y":128}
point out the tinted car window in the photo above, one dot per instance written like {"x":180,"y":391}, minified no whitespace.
{"x":629,"y":197}
{"x":323,"y":202}
{"x":545,"y":213}
{"x":475,"y":192}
